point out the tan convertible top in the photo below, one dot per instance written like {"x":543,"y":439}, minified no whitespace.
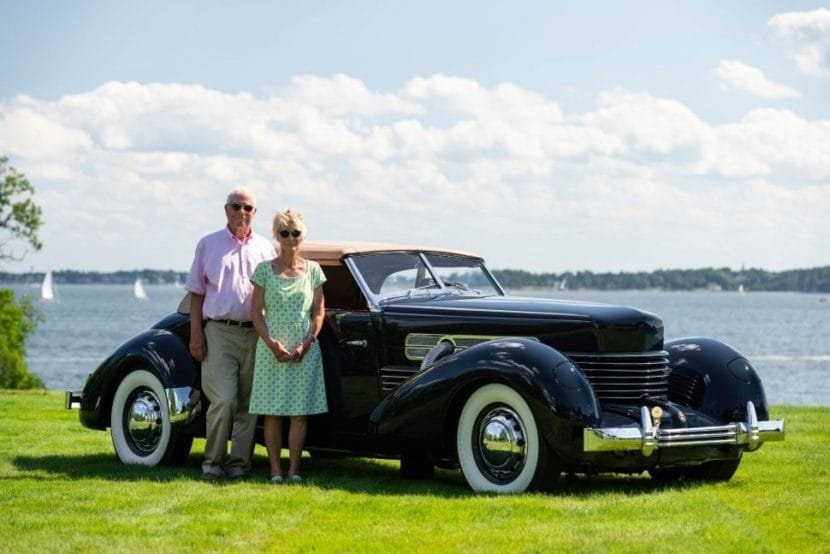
{"x":331,"y":252}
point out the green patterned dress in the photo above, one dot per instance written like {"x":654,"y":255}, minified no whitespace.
{"x":287,"y":389}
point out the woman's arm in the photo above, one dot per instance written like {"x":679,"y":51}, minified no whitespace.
{"x":258,"y":319}
{"x":318,"y":312}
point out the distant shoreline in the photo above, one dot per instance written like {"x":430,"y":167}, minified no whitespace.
{"x":815,"y":279}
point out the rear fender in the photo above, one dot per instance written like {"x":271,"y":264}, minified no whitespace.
{"x":714,"y":378}
{"x":156,"y":350}
{"x":422,"y":414}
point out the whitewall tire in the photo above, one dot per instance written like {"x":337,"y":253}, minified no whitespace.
{"x":140,"y":420}
{"x":498,"y":443}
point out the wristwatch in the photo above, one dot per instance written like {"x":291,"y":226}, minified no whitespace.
{"x":312,"y":338}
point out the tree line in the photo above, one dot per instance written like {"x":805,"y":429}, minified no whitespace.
{"x":74,"y":277}
{"x":815,"y":279}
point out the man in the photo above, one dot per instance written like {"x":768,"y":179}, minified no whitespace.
{"x":222,"y":336}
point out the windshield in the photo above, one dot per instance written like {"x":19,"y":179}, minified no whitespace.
{"x":401,"y":275}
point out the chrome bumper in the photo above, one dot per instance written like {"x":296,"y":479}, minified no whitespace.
{"x":183,"y":403}
{"x":647,"y":437}
{"x":72,"y":399}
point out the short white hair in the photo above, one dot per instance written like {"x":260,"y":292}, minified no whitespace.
{"x":239,"y":192}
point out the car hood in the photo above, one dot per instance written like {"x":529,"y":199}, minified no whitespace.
{"x":571,"y":326}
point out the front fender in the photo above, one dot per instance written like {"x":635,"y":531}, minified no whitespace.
{"x":421,"y":414}
{"x":156,"y":350}
{"x":720,"y":378}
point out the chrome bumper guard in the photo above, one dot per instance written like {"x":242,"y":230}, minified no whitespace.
{"x":72,"y":399}
{"x":184,"y":404}
{"x":647,"y":437}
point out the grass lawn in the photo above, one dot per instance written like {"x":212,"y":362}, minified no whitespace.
{"x":61,"y":489}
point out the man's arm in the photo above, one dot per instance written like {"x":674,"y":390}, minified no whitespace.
{"x":197,"y":336}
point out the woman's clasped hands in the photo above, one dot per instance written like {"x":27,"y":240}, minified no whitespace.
{"x":284,"y":355}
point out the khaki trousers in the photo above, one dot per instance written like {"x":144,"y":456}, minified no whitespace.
{"x":227,"y":377}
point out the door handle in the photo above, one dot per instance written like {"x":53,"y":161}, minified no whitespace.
{"x":360,"y":343}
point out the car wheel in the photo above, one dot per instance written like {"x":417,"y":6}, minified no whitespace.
{"x":140,"y":423}
{"x":498,"y":443}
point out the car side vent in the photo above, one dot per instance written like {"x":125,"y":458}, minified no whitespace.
{"x":686,"y":389}
{"x":623,"y":378}
{"x":392,"y":377}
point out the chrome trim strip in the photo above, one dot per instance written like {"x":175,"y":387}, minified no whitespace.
{"x":418,"y":345}
{"x":562,"y":316}
{"x":750,"y":434}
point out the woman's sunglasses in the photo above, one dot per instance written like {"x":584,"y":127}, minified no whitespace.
{"x":247,"y":207}
{"x":295,"y":233}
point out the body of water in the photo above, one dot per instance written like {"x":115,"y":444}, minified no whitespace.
{"x":785,"y":335}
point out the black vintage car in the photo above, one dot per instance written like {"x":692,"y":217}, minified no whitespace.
{"x":427,"y":360}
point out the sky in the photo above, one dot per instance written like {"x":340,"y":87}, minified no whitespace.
{"x":547,"y":136}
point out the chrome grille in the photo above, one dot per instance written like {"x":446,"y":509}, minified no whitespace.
{"x":625,"y":377}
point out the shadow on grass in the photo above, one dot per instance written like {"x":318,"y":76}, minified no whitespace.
{"x":361,"y":475}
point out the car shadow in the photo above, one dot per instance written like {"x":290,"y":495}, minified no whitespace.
{"x":363,"y":475}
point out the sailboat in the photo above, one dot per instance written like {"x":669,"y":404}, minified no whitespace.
{"x":47,"y":288}
{"x":138,"y":289}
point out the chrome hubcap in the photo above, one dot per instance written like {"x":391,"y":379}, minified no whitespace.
{"x":502,"y":444}
{"x":143,"y":422}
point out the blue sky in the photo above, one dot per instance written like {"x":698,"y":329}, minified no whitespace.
{"x":547,"y":136}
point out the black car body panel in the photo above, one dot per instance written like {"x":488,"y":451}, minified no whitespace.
{"x":426,"y":359}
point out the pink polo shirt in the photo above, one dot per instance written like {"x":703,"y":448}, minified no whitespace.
{"x":221,"y":272}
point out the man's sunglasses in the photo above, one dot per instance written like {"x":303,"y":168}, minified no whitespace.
{"x":247,"y":207}
{"x":295,"y":233}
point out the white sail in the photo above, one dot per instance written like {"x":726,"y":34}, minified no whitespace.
{"x":47,"y":288}
{"x":138,"y":289}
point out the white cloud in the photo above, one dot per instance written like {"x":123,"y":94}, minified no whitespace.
{"x":645,"y":124}
{"x":134,"y":174}
{"x":809,"y":33}
{"x":467,"y":98}
{"x":771,"y":142}
{"x":342,"y":95}
{"x":26,"y":130}
{"x":743,"y":77}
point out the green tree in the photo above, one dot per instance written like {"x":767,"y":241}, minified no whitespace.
{"x":20,"y":219}
{"x":18,"y":321}
{"x":19,"y":215}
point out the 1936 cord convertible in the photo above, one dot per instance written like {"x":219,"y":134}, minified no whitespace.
{"x":427,"y":360}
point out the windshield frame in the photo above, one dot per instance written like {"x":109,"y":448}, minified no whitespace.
{"x":437,"y":288}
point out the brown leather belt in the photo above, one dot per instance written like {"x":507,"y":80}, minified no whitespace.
{"x":233,"y":323}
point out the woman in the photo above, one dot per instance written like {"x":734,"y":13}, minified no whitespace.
{"x":287,"y":312}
